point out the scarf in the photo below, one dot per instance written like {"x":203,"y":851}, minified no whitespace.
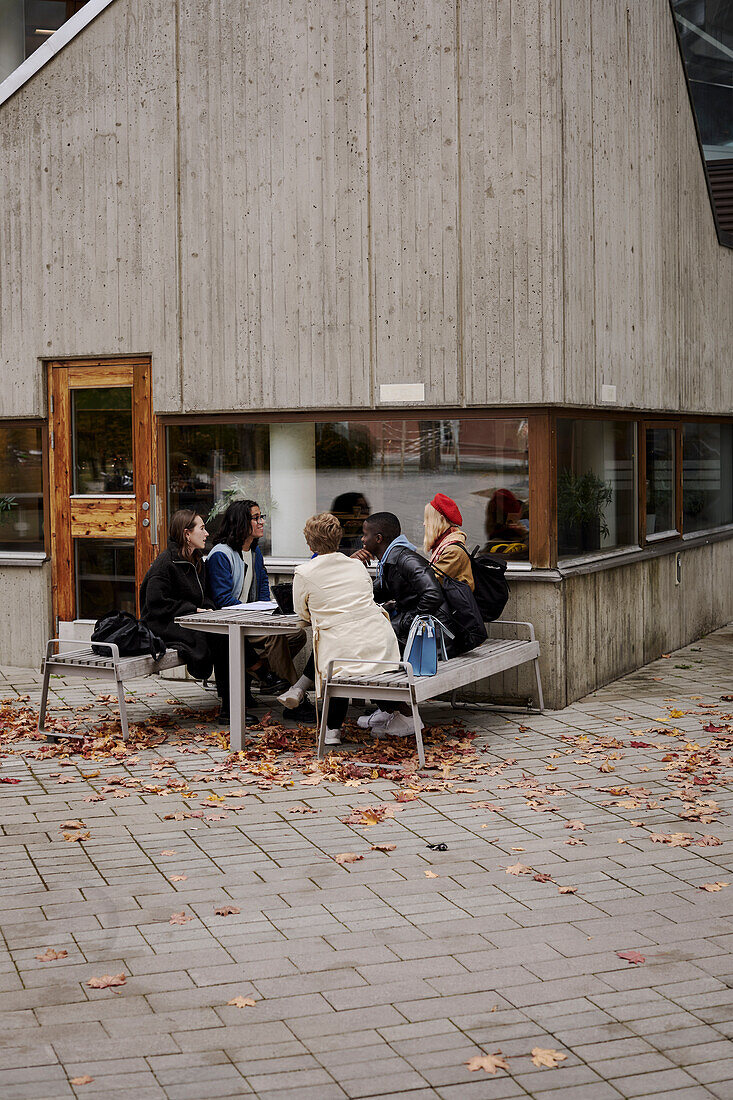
{"x":453,"y":534}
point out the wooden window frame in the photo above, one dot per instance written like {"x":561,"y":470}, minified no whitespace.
{"x":37,"y":422}
{"x":663,"y":536}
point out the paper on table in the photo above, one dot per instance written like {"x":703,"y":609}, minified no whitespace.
{"x":263,"y":607}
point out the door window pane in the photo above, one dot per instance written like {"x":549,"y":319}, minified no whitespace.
{"x":102,"y":440}
{"x":355,"y":467}
{"x":105,"y":577}
{"x":660,"y":480}
{"x":596,"y":485}
{"x":21,"y":487}
{"x":707,"y":476}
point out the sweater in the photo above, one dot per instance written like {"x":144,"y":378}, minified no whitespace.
{"x":225,"y":576}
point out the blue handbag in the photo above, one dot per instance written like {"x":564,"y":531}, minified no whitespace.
{"x":425,"y":644}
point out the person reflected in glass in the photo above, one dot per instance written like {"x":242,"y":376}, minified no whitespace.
{"x":237,"y":575}
{"x":350,"y":509}
{"x":445,"y":542}
{"x":504,"y":524}
{"x":175,"y":584}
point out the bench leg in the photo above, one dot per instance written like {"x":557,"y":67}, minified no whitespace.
{"x":418,"y":732}
{"x":540,"y":697}
{"x":123,"y":709}
{"x":44,"y":698}
{"x":322,"y":726}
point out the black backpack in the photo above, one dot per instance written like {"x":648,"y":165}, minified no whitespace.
{"x":489,"y":583}
{"x":132,"y":638}
{"x":467,"y":621}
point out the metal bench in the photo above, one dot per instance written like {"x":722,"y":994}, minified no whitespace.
{"x":79,"y":659}
{"x":399,"y":684}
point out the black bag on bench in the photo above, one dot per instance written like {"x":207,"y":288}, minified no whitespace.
{"x":466,"y":617}
{"x":132,"y":638}
{"x":489,"y":583}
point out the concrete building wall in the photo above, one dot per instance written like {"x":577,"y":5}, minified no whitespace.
{"x":25,"y":597}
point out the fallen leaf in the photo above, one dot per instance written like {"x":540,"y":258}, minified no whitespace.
{"x":106,"y":981}
{"x":347,"y":857}
{"x":85,"y":1080}
{"x":567,"y":889}
{"x":713,"y":887}
{"x":179,"y":918}
{"x":303,"y":810}
{"x":518,"y":869}
{"x":227,"y":910}
{"x":242,"y":1002}
{"x":547,"y":1058}
{"x":177,"y":878}
{"x":76,"y":836}
{"x":72,"y":825}
{"x":577,"y":825}
{"x":574,"y":840}
{"x":51,"y":954}
{"x":168,"y":852}
{"x":405,"y":796}
{"x":675,"y":840}
{"x":631,"y":957}
{"x":489,"y":1062}
{"x":430,"y":874}
{"x":708,"y":841}
{"x":542,"y":877}
{"x":383,"y":847}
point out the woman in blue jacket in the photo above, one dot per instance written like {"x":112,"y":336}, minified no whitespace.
{"x":236,"y":574}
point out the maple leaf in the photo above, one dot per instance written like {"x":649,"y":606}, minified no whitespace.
{"x":177,"y":878}
{"x":574,"y":840}
{"x":383,"y":847}
{"x":567,"y":889}
{"x":405,"y":796}
{"x":72,"y":825}
{"x":347,"y":857}
{"x":430,"y":874}
{"x":577,"y":825}
{"x":227,"y":910}
{"x":713,"y":887}
{"x":631,"y":957}
{"x":489,"y":1062}
{"x":106,"y":981}
{"x":51,"y":954}
{"x":242,"y":1002}
{"x":708,"y":841}
{"x":76,"y":836}
{"x":542,"y":877}
{"x":179,"y":918}
{"x":550,"y":1059}
{"x":675,"y":840}
{"x":85,"y":1080}
{"x":303,"y":810}
{"x":518,"y":869}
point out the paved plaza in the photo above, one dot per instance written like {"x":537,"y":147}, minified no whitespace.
{"x":211,"y":925}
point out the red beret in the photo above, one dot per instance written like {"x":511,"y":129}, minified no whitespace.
{"x":448,"y":508}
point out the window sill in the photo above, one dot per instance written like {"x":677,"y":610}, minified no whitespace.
{"x":29,"y":558}
{"x":288,"y":566}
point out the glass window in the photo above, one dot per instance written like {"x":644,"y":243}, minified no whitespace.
{"x":105,"y":577}
{"x":355,"y":467}
{"x":101,"y":422}
{"x":707,"y":476}
{"x":660,"y":481}
{"x":596,"y":485}
{"x":21,"y":487}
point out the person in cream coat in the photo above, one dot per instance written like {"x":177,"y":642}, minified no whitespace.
{"x":335,"y":594}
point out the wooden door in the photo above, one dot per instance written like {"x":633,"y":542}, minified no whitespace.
{"x":104,"y":527}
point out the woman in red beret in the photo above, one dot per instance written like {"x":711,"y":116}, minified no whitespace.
{"x":445,"y":542}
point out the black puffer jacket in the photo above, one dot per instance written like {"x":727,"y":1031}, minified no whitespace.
{"x":174,"y":586}
{"x":410,"y":582}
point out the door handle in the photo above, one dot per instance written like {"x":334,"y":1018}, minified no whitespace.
{"x":154,"y":515}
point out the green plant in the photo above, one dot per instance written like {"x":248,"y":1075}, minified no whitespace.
{"x":6,"y":506}
{"x":582,"y":500}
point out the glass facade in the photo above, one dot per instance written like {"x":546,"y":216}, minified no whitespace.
{"x":596,"y":485}
{"x":707,"y":476}
{"x":660,"y":481}
{"x":355,"y":467}
{"x":21,"y":487}
{"x":101,"y":435}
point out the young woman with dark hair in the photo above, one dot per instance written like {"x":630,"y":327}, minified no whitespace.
{"x":237,"y":575}
{"x":175,"y":585}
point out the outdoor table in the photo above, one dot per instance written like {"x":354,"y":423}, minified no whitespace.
{"x":239,"y":623}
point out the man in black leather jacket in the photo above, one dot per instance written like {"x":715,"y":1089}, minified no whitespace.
{"x":405,"y":583}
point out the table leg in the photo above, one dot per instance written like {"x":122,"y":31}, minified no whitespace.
{"x":238,"y":719}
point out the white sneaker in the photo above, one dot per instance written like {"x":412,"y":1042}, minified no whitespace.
{"x":292,"y":698}
{"x":399,"y":725}
{"x":369,"y":721}
{"x":333,"y":737}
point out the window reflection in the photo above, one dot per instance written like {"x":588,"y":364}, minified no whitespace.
{"x":660,"y":480}
{"x":102,"y":440}
{"x":355,"y":467}
{"x":707,"y":476}
{"x":105,"y":577}
{"x":21,"y":487}
{"x":596,"y":485}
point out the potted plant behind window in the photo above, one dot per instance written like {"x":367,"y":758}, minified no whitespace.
{"x":6,"y":506}
{"x":581,"y":505}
